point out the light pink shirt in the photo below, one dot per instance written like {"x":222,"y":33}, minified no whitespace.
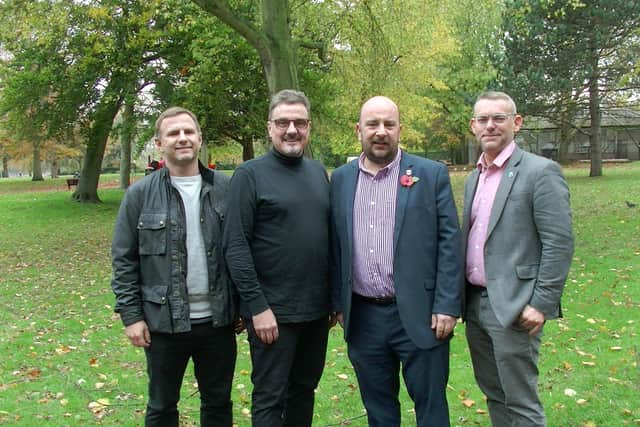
{"x":488,"y":182}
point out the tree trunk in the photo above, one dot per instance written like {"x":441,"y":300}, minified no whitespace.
{"x":37,"y":164}
{"x":247,"y":150}
{"x":594,"y":137}
{"x":54,"y":166}
{"x":563,"y":144}
{"x":5,"y":166}
{"x":126,"y":143}
{"x":278,"y":54}
{"x":87,"y":189}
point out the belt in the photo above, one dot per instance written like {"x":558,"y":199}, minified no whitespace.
{"x":479,"y":290}
{"x":388,"y":300}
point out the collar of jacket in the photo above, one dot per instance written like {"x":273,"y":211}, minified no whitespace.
{"x":207,"y":174}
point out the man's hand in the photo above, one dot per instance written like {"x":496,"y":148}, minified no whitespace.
{"x":531,"y":319}
{"x":442,"y":325}
{"x":138,"y":334}
{"x":266,"y":326}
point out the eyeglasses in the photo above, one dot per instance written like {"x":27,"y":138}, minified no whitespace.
{"x":299,"y":124}
{"x":497,"y":119}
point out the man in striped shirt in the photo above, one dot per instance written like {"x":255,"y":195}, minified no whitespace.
{"x":396,"y":269}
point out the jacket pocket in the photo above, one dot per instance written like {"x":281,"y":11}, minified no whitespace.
{"x":156,"y":308}
{"x":526,"y":272}
{"x":156,"y":294}
{"x":152,"y":233}
{"x":429,"y":284}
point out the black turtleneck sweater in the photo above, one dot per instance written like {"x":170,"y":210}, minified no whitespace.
{"x":276,"y":237}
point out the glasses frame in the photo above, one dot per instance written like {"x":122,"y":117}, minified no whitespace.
{"x":299,"y":124}
{"x":498,"y":119}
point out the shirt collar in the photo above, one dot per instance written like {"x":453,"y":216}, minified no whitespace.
{"x":501,"y":159}
{"x":395,"y":164}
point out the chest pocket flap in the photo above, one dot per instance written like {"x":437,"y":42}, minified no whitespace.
{"x":152,"y":233}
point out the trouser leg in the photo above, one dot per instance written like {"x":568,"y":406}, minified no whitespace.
{"x":505,"y":366}
{"x":308,"y":363}
{"x":271,"y":365}
{"x":167,"y":359}
{"x":214,"y":359}
{"x":376,"y":365}
{"x":426,"y":373}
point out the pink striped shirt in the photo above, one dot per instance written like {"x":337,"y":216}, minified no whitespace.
{"x":374,"y":214}
{"x":488,"y":182}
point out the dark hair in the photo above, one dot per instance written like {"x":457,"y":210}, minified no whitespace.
{"x":289,"y":96}
{"x":172,"y":112}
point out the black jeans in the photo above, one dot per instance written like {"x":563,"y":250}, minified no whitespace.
{"x":213,"y":351}
{"x":286,"y":373}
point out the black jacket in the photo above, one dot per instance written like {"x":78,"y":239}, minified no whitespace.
{"x":149,"y":255}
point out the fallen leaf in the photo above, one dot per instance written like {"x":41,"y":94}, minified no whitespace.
{"x":468,"y":403}
{"x":570,"y":392}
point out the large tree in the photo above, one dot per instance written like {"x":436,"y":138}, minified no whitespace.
{"x":266,"y":28}
{"x":561,"y":57}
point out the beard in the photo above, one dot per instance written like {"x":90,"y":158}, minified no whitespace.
{"x":290,"y":147}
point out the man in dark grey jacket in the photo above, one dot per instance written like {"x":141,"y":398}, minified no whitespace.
{"x":169,"y":277}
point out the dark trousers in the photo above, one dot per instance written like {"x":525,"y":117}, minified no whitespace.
{"x":286,"y":373}
{"x":378,"y":345}
{"x":213,"y":351}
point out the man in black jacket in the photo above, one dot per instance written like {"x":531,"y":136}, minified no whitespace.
{"x":169,"y":276}
{"x":276,"y":244}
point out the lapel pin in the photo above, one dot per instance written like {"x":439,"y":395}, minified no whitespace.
{"x":510,"y":174}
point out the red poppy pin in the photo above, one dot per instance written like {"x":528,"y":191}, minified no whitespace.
{"x":407,"y":180}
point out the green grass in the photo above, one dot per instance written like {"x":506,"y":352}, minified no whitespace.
{"x":65,"y":361}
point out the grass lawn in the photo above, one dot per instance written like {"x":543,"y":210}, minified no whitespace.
{"x":65,"y":361}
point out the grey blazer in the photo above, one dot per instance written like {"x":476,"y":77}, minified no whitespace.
{"x":529,"y":242}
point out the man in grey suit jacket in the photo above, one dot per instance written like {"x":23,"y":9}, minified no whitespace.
{"x":396,"y":270}
{"x":517,"y":249}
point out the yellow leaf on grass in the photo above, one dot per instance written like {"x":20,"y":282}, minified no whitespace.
{"x":468,"y":403}
{"x":589,"y":363}
{"x":342,"y":376}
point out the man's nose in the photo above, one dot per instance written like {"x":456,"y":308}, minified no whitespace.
{"x":292,"y":127}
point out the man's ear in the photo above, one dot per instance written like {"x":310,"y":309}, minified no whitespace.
{"x":518,"y":122}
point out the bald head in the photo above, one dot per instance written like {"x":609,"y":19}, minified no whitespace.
{"x":379,"y":132}
{"x":378,"y":103}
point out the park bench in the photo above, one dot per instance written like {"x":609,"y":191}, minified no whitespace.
{"x":71,"y":182}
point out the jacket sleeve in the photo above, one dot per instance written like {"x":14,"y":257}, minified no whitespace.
{"x":552,"y":216}
{"x":236,"y":240}
{"x":335,"y":254}
{"x":448,"y":296}
{"x":125,"y":261}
